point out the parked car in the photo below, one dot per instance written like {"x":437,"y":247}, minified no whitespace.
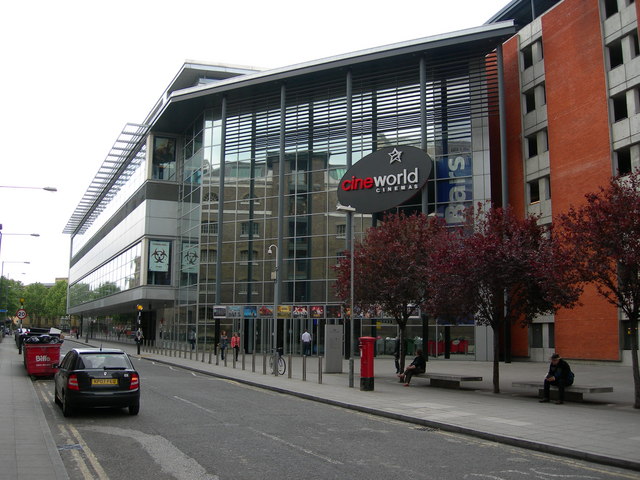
{"x":92,"y":377}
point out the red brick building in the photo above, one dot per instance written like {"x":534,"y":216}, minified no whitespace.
{"x":571,"y":82}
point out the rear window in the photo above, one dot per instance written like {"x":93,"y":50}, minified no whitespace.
{"x":104,"y":360}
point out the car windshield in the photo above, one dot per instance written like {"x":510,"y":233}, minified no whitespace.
{"x":104,"y":360}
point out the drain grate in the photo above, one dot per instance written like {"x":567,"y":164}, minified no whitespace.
{"x":426,"y":429}
{"x":72,"y":446}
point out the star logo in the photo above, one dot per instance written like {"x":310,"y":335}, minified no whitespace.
{"x":394,"y":156}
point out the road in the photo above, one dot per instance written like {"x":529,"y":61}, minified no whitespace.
{"x":196,"y":427}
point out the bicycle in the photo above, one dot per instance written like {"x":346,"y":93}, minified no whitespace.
{"x":282,"y":364}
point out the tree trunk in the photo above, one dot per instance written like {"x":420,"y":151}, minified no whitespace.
{"x":496,"y":358}
{"x":634,"y":363}
{"x":402,"y":345}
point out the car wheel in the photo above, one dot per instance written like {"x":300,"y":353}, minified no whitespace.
{"x":134,"y":409}
{"x":66,"y":409}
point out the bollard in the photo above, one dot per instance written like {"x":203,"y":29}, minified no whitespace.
{"x":351,"y":372}
{"x":217,"y":358}
{"x":319,"y":370}
{"x":210,"y":356}
{"x":225,"y":358}
{"x":243,"y":359}
{"x":191,"y":354}
{"x":304,"y":368}
{"x":204,"y":351}
{"x":233,"y":360}
{"x":264,"y":363}
{"x":253,"y":362}
{"x":289,"y":358}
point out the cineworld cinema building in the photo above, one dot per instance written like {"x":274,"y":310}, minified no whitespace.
{"x":219,"y":210}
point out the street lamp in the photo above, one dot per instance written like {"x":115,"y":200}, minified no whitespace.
{"x":275,"y":309}
{"x":22,"y":234}
{"x":47,"y":189}
{"x":349,"y":210}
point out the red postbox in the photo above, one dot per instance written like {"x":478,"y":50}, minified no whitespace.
{"x":367,"y":344}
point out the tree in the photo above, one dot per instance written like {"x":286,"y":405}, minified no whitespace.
{"x":34,"y":302}
{"x":11,"y":291}
{"x":502,"y":269}
{"x":56,"y":300}
{"x":605,"y":235}
{"x":390,"y":268}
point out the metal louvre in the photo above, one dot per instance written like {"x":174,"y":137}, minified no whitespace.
{"x":124,"y":158}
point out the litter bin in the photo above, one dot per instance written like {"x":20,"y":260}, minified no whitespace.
{"x":40,"y":358}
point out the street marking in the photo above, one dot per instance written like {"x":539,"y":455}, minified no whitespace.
{"x":297,"y":447}
{"x":76,"y":455}
{"x":89,"y":453}
{"x":171,"y":460}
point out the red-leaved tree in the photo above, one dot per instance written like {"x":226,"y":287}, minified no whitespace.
{"x":501,"y":268}
{"x":605,"y":235}
{"x":391,"y":264}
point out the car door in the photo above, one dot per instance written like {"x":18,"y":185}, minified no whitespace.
{"x":61,"y":376}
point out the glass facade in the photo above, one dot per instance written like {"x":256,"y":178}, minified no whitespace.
{"x":120,"y":273}
{"x":255,"y":178}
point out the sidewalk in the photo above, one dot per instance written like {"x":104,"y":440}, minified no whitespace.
{"x":604,"y":429}
{"x":27,"y":449}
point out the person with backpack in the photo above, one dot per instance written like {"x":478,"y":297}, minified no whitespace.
{"x":559,"y":375}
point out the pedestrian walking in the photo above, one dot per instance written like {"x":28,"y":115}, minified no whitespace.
{"x":306,"y":342}
{"x":192,"y":339}
{"x":235,"y":344}
{"x":224,"y":343}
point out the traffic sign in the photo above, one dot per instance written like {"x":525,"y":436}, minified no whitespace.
{"x":21,"y":314}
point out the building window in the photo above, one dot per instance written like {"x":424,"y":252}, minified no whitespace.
{"x":530,"y":101}
{"x":209,"y":228}
{"x":208,"y":256}
{"x":620,"y":111}
{"x":246,"y":227}
{"x":210,"y":197}
{"x":536,"y":335}
{"x":615,"y":54}
{"x":244,"y":256}
{"x":610,"y":8}
{"x":164,"y":158}
{"x":547,"y":184}
{"x":623,"y":160}
{"x":534,"y":191}
{"x":527,"y":57}
{"x":341,"y":230}
{"x":634,"y":45}
{"x":532,"y":146}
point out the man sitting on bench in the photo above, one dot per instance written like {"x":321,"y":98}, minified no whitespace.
{"x":560,"y":375}
{"x":416,"y":367}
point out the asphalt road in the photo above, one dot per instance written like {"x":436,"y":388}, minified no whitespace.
{"x":193,"y":426}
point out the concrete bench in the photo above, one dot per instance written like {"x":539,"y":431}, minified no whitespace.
{"x":573,"y":393}
{"x":448,"y":380}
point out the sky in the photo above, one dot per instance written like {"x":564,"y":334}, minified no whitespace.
{"x":74,"y":72}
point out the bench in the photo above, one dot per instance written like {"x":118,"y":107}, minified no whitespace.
{"x":448,"y":380}
{"x":573,"y":393}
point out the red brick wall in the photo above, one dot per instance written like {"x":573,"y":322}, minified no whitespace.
{"x":579,"y":151}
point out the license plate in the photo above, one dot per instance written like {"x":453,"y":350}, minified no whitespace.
{"x":104,"y":381}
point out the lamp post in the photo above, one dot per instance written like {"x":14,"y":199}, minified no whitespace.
{"x":349,"y":210}
{"x":2,"y":234}
{"x":275,"y":310}
{"x":47,"y":189}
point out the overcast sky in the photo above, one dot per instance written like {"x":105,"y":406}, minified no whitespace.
{"x":75,"y":72}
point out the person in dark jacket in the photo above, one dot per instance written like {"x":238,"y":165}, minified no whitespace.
{"x":560,"y":375}
{"x":416,"y":367}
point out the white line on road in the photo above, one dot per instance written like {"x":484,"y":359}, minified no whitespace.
{"x":298,"y":447}
{"x":171,"y":460}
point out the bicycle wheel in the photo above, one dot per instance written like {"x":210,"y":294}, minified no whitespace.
{"x":282,"y":366}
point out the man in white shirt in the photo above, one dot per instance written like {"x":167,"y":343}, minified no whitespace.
{"x":306,"y":342}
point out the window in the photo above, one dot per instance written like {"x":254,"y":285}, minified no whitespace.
{"x":249,"y":226}
{"x":610,"y":8}
{"x":208,"y":256}
{"x":536,"y":335}
{"x":615,"y":54}
{"x":620,"y":107}
{"x":244,"y":255}
{"x":341,"y":230}
{"x":210,"y":197}
{"x":534,"y":191}
{"x":634,"y":45}
{"x":527,"y":57}
{"x":547,"y":181}
{"x":530,"y":101}
{"x":164,"y":158}
{"x":209,"y":228}
{"x":532,"y":146}
{"x":623,"y":160}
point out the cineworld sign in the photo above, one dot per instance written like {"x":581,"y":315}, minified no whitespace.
{"x":384,"y":179}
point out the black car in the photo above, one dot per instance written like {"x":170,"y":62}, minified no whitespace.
{"x":92,"y":377}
